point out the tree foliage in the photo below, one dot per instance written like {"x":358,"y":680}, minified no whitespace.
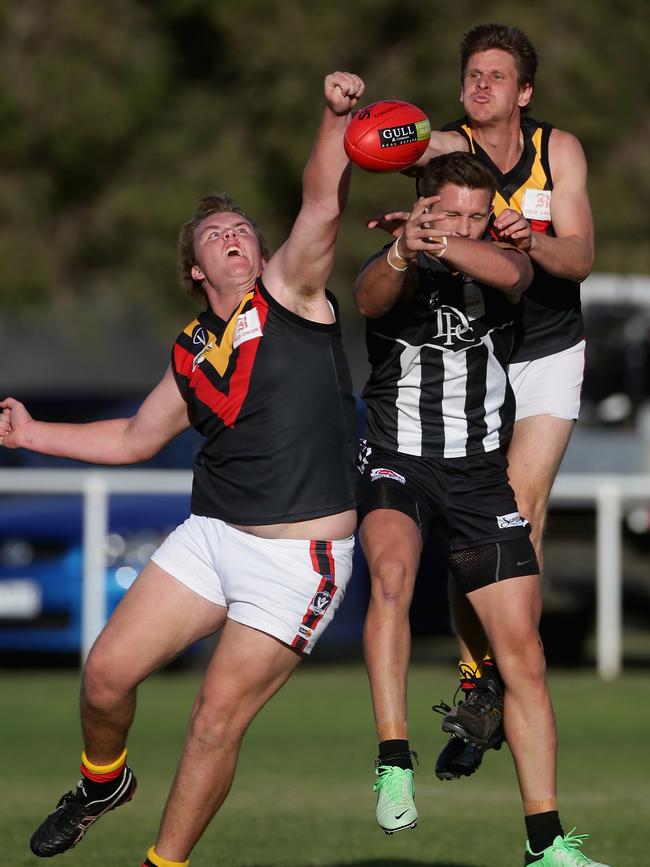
{"x":117,"y":116}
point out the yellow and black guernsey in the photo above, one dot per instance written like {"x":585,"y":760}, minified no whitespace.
{"x":271,"y":394}
{"x":552,"y":320}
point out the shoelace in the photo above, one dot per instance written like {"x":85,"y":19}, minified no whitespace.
{"x":71,"y":797}
{"x":571,"y":843}
{"x":467,"y":672}
{"x":482,"y":697}
{"x":467,"y":676}
{"x":74,"y":810}
{"x":390,"y":778}
{"x":442,"y":708}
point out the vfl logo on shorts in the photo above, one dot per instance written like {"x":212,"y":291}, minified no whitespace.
{"x":320,"y":603}
{"x":514,"y":519}
{"x":382,"y":473}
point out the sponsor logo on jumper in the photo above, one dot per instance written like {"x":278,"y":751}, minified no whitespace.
{"x":383,"y":473}
{"x":536,"y":205}
{"x":199,"y":336}
{"x":247,"y":328}
{"x":303,"y":630}
{"x":200,"y":356}
{"x":514,"y":519}
{"x":320,"y":603}
{"x":452,"y":327}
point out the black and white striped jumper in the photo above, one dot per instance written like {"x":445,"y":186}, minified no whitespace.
{"x":439,"y":384}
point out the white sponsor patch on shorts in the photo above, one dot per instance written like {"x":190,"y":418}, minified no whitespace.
{"x":537,"y":205}
{"x":514,"y":519}
{"x":248,"y":327}
{"x":383,"y":473}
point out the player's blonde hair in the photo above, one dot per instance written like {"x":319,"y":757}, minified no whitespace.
{"x":510,"y":39}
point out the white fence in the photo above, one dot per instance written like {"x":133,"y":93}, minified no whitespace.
{"x":606,"y":492}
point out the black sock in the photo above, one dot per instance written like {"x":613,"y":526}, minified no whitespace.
{"x":542,"y":829}
{"x":97,"y":791}
{"x":397,"y":753}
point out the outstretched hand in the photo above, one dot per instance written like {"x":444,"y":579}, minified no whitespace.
{"x":420,"y":232}
{"x":391,"y":222}
{"x":13,"y":420}
{"x":416,"y":228}
{"x":342,"y":91}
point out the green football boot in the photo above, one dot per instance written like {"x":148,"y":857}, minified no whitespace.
{"x":563,"y":852}
{"x":395,"y":789}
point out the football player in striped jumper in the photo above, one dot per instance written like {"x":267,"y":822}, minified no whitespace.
{"x":441,"y":309}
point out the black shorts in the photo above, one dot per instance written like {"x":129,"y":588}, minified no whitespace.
{"x":466,"y":502}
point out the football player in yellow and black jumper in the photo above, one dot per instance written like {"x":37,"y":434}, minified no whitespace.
{"x":542,"y":205}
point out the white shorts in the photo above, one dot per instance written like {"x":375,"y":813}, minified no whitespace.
{"x":288,"y":588}
{"x":551,"y":385}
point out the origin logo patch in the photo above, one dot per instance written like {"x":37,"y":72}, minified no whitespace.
{"x":383,"y":473}
{"x":514,"y":519}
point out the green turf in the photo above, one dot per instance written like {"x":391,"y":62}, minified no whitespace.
{"x":302,"y":795}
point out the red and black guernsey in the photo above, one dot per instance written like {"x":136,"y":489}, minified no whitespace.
{"x":552,"y":319}
{"x":271,"y":394}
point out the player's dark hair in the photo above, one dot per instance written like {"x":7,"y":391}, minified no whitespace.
{"x":485,"y":37}
{"x":457,"y":168}
{"x":215,"y":203}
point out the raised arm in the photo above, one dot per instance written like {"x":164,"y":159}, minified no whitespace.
{"x":496,"y":264}
{"x":570,"y":254}
{"x":391,"y":276}
{"x":303,"y":263}
{"x":386,"y":279}
{"x":439,"y":143}
{"x":159,"y":419}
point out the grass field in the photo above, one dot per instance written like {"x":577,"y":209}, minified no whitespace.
{"x":302,"y":795}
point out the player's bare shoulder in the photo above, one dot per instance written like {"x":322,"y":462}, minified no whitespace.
{"x":565,"y":153}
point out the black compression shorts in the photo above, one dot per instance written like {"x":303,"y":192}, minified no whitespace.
{"x":467,"y":501}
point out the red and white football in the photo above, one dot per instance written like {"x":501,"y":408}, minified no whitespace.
{"x":387,"y":136}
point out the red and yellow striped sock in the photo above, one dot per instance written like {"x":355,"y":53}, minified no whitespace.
{"x":488,"y":665}
{"x":155,"y":860}
{"x":102,"y":773}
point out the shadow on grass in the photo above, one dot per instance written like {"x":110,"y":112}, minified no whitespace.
{"x":395,"y":862}
{"x":401,"y":862}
